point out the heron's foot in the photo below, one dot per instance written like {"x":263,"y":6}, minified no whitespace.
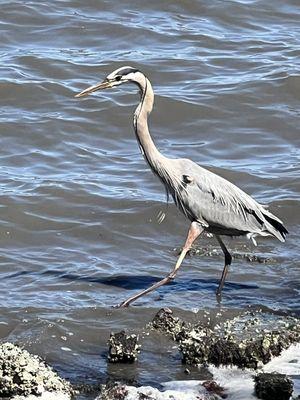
{"x":219,"y":296}
{"x":156,"y":285}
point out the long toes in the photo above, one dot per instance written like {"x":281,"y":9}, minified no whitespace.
{"x":219,"y":298}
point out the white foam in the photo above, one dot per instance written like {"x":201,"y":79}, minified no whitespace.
{"x":176,"y":390}
{"x":287,"y":363}
{"x":239,"y":384}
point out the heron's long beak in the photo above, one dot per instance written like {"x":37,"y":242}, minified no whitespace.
{"x":99,"y":86}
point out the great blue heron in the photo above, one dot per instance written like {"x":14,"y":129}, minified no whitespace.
{"x":210,"y":202}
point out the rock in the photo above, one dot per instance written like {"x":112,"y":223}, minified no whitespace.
{"x":113,"y":391}
{"x":123,"y":348}
{"x":225,"y":352}
{"x":23,"y":374}
{"x":44,"y":396}
{"x":243,"y":341}
{"x":165,"y":322}
{"x":214,"y":387}
{"x":188,"y":390}
{"x":273,"y":386}
{"x":203,"y":346}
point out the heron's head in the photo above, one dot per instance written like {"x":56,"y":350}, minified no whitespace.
{"x":116,"y":78}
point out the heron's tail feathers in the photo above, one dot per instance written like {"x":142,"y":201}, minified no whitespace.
{"x":275,"y":226}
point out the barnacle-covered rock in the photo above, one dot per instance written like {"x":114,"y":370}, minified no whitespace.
{"x":165,"y":322}
{"x":113,"y":391}
{"x":245,"y":341}
{"x":273,"y":386}
{"x":180,"y":391}
{"x":22,"y":373}
{"x":123,"y":348}
{"x":221,"y":348}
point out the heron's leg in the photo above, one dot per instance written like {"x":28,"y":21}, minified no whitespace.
{"x":194,"y":231}
{"x":228,"y":259}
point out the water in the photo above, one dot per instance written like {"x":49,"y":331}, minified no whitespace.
{"x":239,"y":383}
{"x":79,"y":228}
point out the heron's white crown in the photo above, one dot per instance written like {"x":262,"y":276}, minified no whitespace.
{"x":124,"y":74}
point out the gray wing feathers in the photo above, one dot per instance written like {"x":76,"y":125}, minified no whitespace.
{"x":216,"y":203}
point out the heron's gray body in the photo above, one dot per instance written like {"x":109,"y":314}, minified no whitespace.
{"x":215,"y":203}
{"x":209,"y":201}
{"x":219,"y":206}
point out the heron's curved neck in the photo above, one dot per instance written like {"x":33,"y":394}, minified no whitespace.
{"x":140,"y":122}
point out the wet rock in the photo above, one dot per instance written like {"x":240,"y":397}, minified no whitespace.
{"x":218,"y":349}
{"x":113,"y":391}
{"x":43,"y":396}
{"x":273,"y":386}
{"x":123,"y":348}
{"x":22,"y":373}
{"x":165,"y":322}
{"x":214,"y":387}
{"x":245,"y":341}
{"x":224,"y":352}
{"x":175,"y":391}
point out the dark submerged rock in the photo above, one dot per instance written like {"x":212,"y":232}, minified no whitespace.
{"x":123,"y":348}
{"x":273,"y":386}
{"x":211,"y":251}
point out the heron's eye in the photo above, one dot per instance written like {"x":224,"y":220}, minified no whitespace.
{"x":118,"y":78}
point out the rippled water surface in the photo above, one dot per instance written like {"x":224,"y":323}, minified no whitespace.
{"x":79,"y":227}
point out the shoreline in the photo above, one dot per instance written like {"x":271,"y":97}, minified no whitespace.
{"x":197,"y":345}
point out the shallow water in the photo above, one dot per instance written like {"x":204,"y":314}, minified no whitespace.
{"x":238,"y":384}
{"x":79,"y":227}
